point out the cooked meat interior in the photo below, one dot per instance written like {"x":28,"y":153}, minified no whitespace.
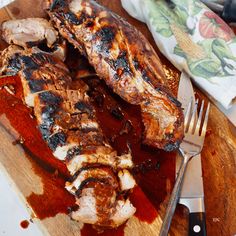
{"x":100,"y":179}
{"x":123,"y":57}
{"x":33,"y":32}
{"x":25,"y":31}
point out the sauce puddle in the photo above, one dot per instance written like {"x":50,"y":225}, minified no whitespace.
{"x":121,"y":124}
{"x":55,"y":199}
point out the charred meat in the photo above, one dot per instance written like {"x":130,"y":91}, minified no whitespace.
{"x":126,"y":61}
{"x":100,"y":179}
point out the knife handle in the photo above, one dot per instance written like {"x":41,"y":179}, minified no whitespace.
{"x":228,"y":13}
{"x":197,"y":224}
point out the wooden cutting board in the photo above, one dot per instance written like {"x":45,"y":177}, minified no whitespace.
{"x":218,"y":159}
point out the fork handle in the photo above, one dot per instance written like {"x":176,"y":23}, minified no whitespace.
{"x":197,"y":224}
{"x":174,"y":198}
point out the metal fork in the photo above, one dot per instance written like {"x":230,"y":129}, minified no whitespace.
{"x":191,"y":146}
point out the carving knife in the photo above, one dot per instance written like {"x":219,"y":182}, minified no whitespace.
{"x":192,"y":192}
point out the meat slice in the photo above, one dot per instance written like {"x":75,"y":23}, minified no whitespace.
{"x":25,"y":32}
{"x":31,"y":32}
{"x":123,"y":211}
{"x":100,"y":179}
{"x":34,"y":67}
{"x":104,"y":155}
{"x":126,"y":61}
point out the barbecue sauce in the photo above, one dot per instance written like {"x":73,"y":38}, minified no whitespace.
{"x":24,"y":224}
{"x":20,"y":117}
{"x":152,"y":167}
{"x":55,"y":199}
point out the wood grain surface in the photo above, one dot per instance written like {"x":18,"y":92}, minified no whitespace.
{"x":218,"y":159}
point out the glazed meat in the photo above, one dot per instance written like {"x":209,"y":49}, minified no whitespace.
{"x":100,"y":179}
{"x":126,"y":61}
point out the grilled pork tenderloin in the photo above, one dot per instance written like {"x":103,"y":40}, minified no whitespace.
{"x":100,"y":179}
{"x":123,"y":57}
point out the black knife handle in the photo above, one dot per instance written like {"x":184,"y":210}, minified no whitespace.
{"x":229,"y":12}
{"x":197,"y":224}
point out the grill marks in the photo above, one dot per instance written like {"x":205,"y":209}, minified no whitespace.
{"x":56,"y":140}
{"x":122,"y":56}
{"x":68,"y":114}
{"x":30,"y":62}
{"x":84,"y":107}
{"x":68,"y":124}
{"x":57,"y":3}
{"x":105,"y":37}
{"x":14,"y":65}
{"x":126,"y":61}
{"x":120,"y":65}
{"x":102,"y":175}
{"x":50,"y":98}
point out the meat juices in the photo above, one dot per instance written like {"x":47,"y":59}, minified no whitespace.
{"x":123,"y":57}
{"x":100,"y":179}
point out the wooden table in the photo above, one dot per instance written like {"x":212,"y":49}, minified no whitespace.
{"x":218,"y":155}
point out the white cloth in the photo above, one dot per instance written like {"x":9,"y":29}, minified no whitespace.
{"x":195,"y":40}
{"x":3,"y":3}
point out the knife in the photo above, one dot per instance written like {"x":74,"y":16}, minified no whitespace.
{"x":192,"y":193}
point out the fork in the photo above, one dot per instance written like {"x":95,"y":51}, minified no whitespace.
{"x":191,"y":146}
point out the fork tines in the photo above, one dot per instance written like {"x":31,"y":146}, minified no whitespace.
{"x":193,"y":120}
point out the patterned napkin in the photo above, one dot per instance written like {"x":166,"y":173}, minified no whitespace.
{"x":195,"y":40}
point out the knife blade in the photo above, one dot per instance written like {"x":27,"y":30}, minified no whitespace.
{"x":192,"y":192}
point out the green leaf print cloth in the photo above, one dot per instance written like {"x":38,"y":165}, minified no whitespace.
{"x":195,"y":40}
